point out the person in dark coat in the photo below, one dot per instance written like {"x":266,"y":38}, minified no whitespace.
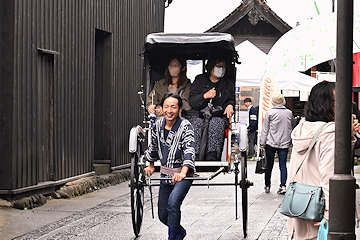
{"x":252,"y":127}
{"x":214,"y":86}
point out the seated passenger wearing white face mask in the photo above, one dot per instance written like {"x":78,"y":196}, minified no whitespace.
{"x":213,"y":85}
{"x":176,"y":82}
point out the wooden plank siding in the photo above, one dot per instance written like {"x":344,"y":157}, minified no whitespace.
{"x":7,"y":45}
{"x":47,"y":112}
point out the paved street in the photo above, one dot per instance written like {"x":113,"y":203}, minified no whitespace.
{"x":208,"y":213}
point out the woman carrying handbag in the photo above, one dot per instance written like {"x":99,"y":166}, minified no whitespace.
{"x":317,"y":169}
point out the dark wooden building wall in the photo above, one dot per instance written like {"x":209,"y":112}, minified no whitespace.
{"x":128,"y":70}
{"x":6,"y":92}
{"x":61,"y":108}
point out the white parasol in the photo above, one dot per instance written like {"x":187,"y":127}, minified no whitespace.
{"x":308,"y":45}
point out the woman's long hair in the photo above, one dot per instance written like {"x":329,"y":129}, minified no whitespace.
{"x":320,"y":106}
{"x":182,"y":75}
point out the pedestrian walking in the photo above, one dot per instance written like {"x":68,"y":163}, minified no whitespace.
{"x":318,"y":166}
{"x":172,"y":141}
{"x":276,"y":137}
{"x":252,"y":127}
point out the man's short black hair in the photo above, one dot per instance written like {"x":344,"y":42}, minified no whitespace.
{"x":247,"y":100}
{"x":174,"y":96}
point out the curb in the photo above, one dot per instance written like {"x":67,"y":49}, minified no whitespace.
{"x":71,"y":189}
{"x":357,"y":169}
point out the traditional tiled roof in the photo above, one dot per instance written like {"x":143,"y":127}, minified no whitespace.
{"x":256,"y":10}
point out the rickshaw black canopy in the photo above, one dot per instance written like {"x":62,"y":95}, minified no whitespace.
{"x":194,"y":44}
{"x":159,"y":48}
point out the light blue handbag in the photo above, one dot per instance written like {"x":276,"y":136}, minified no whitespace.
{"x":304,"y":201}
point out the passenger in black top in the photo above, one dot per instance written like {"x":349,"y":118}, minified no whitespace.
{"x":213,"y":85}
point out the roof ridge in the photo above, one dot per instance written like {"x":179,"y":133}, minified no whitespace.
{"x":247,"y":6}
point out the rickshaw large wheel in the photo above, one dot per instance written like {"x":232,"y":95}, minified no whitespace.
{"x":244,"y":192}
{"x":137,"y":181}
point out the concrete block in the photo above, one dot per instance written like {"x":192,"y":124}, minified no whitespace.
{"x":101,"y":169}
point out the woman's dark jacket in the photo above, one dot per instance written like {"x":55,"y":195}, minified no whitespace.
{"x":225,"y":94}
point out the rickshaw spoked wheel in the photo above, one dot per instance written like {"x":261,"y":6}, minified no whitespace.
{"x":137,"y":181}
{"x":244,"y":192}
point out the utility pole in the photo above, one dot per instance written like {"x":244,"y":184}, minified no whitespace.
{"x":342,"y":184}
{"x":332,"y":63}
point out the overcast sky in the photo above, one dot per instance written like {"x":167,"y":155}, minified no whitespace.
{"x":199,"y":15}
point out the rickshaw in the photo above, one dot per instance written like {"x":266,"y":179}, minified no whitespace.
{"x":196,"y":48}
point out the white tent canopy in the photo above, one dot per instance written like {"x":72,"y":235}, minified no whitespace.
{"x":251,"y":71}
{"x":295,"y":81}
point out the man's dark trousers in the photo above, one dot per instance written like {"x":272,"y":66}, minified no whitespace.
{"x":252,"y":138}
